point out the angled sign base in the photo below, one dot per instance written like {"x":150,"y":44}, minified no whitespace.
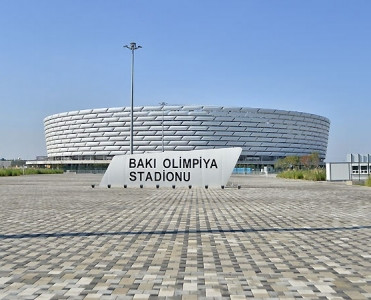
{"x":211,"y":167}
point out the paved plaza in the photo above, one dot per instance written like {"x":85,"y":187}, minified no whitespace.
{"x":272,"y":239}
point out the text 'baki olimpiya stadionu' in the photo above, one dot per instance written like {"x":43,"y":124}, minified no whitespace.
{"x":263,"y":134}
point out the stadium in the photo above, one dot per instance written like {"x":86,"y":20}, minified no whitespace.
{"x":87,"y":138}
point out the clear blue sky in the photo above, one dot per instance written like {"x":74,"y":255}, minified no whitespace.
{"x":63,"y":55}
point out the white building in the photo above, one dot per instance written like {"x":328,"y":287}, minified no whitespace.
{"x":356,"y":167}
{"x":94,"y":136}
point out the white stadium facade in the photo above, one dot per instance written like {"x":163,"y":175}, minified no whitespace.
{"x":87,"y":138}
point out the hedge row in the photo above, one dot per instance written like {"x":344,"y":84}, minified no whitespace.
{"x":18,"y":172}
{"x":315,"y":174}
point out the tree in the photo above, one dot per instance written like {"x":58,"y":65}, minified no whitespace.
{"x":289,"y":162}
{"x":310,"y":161}
{"x":315,"y":159}
{"x":306,"y":161}
{"x":293,"y":161}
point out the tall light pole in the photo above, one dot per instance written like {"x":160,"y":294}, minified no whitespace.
{"x":162,"y":104}
{"x":133,"y":46}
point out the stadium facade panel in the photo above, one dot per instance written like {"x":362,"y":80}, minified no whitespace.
{"x":263,"y":134}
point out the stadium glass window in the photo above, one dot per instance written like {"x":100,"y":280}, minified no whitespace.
{"x":364,"y":170}
{"x":355,"y":170}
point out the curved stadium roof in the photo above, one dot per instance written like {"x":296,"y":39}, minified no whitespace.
{"x":260,"y":132}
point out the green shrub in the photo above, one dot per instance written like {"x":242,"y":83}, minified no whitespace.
{"x":31,"y":171}
{"x":10,"y":172}
{"x":42,"y":171}
{"x":315,"y":174}
{"x":368,"y":182}
{"x":299,"y":174}
{"x":292,"y":174}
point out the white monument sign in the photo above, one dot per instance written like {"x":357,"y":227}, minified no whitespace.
{"x":211,"y":167}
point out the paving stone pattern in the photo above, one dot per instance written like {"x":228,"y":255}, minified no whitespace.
{"x":271,"y":239}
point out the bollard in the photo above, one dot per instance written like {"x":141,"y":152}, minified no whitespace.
{"x":93,"y":185}
{"x":125,"y":186}
{"x":173,"y":186}
{"x":141,"y":186}
{"x":157,"y":186}
{"x":109,"y":186}
{"x":189,"y":186}
{"x":222,"y":187}
{"x":206,"y":186}
{"x":239,"y":187}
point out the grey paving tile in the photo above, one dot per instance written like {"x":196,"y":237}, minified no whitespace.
{"x":275,"y":239}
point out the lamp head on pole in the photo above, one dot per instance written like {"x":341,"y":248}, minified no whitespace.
{"x":133,"y":46}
